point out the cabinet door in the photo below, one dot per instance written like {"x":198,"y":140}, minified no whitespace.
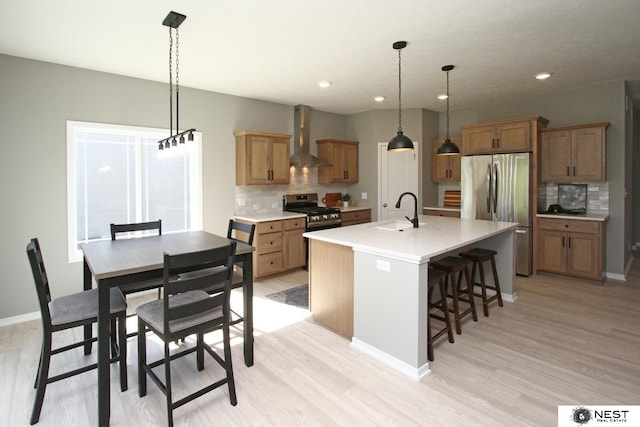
{"x":555,"y":156}
{"x":583,"y":255}
{"x":350,"y":163}
{"x":513,"y":137}
{"x":294,"y":249}
{"x":445,"y":168}
{"x":258,"y":154}
{"x":478,"y":140}
{"x":279,"y":161}
{"x":551,"y":251}
{"x":588,"y":154}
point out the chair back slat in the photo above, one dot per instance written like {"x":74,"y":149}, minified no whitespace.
{"x":138,"y":226}
{"x":241,"y":232}
{"x":208,"y":268}
{"x":39,"y":272}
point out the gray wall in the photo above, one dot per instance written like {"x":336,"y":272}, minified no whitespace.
{"x":37,"y":100}
{"x":605,"y":103}
{"x":372,"y":127}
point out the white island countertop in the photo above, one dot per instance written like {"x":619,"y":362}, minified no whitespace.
{"x":435,"y":236}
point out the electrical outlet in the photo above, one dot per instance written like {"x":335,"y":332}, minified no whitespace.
{"x":363,"y":196}
{"x":242,"y":202}
{"x":256,"y":207}
{"x":275,"y":205}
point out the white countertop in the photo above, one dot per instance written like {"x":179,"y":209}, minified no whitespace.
{"x":269,"y":216}
{"x":435,"y":236}
{"x":586,"y":217}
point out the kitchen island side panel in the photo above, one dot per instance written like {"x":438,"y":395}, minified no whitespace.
{"x":331,"y":286}
{"x":390,"y":314}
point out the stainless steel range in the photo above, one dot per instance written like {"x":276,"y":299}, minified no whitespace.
{"x":318,"y":217}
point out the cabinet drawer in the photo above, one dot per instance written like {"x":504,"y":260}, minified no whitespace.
{"x":269,"y":263}
{"x":360,"y":216}
{"x":294,"y":224}
{"x":267,"y":243}
{"x":268,"y":227}
{"x":569,"y":225}
{"x":438,"y":212}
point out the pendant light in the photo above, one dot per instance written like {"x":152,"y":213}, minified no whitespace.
{"x":400,"y":142}
{"x":173,"y":21}
{"x":448,"y":147}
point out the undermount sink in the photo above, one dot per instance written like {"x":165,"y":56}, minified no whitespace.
{"x":396,"y":226}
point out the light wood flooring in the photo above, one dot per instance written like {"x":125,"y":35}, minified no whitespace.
{"x":563,"y":342}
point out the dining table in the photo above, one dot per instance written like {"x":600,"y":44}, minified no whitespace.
{"x":111,"y":263}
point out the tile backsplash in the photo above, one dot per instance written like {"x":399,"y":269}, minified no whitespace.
{"x":597,"y":196}
{"x":252,"y":199}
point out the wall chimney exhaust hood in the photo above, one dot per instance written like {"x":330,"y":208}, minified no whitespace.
{"x":301,"y":139}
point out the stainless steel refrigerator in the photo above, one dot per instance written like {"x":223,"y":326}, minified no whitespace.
{"x":498,"y":188}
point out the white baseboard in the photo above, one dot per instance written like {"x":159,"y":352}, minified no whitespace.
{"x":415,"y":373}
{"x":8,"y":321}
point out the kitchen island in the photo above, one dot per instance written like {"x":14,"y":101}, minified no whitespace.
{"x":368,"y":282}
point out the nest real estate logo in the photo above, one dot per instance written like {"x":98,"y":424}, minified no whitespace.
{"x":602,"y":414}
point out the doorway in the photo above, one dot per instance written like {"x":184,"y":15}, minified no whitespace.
{"x":397,"y":173}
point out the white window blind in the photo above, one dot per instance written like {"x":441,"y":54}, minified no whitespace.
{"x":116,"y":174}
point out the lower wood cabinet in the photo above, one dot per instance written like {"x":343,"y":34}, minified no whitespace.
{"x":572,"y":247}
{"x":356,"y":217}
{"x":440,"y":212}
{"x":294,"y":251}
{"x":279,"y":246}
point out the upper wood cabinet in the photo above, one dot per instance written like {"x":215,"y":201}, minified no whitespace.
{"x":445,"y":168}
{"x":505,"y":136}
{"x":262,"y":158}
{"x":573,"y":153}
{"x":343,"y":155}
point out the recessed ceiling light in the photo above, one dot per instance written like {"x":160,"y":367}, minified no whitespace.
{"x":543,"y":76}
{"x":324,"y":84}
{"x":442,"y":97}
{"x":379,"y":98}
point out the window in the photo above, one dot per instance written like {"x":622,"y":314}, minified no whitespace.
{"x":116,"y":174}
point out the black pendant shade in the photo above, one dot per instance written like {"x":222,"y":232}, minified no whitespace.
{"x":448,"y":147}
{"x":400,"y":142}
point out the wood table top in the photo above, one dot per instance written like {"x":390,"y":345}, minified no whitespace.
{"x":112,"y":258}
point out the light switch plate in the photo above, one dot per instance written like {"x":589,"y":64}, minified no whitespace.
{"x":383,"y":265}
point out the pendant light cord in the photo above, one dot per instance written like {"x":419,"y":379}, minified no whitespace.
{"x":170,"y":82}
{"x":399,"y":91}
{"x":447,"y":105}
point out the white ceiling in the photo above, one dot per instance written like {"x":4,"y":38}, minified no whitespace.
{"x":277,"y":50}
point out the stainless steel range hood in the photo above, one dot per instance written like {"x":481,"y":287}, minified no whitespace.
{"x":301,"y":151}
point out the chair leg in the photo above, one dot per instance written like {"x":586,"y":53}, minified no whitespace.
{"x":167,"y":373}
{"x":483,"y":286}
{"x":495,"y":279}
{"x":429,"y":339}
{"x":445,"y":310}
{"x":142,"y":360}
{"x":200,"y":351}
{"x":456,"y":306}
{"x":228,"y":364}
{"x":469,"y":292}
{"x":114,"y":340}
{"x":42,"y":377}
{"x":122,"y":359}
{"x":35,"y":383}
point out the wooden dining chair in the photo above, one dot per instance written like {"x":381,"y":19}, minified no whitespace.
{"x":244,"y":233}
{"x":186,"y":309}
{"x":68,"y":312}
{"x":143,"y":285}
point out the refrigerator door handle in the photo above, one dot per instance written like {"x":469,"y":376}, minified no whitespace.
{"x":495,"y":186}
{"x":488,"y":183}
